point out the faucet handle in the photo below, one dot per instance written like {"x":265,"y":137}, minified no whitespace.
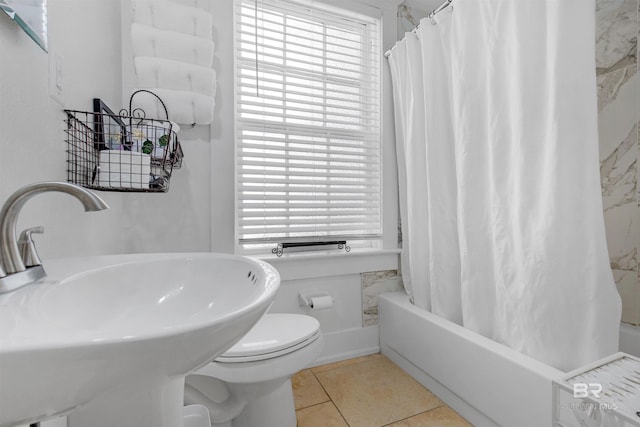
{"x":28,"y":246}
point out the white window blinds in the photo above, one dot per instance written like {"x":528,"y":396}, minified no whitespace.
{"x":307,"y":123}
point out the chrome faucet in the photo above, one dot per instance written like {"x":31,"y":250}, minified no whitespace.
{"x":13,"y":253}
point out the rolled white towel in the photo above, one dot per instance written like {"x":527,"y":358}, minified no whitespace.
{"x":176,"y":75}
{"x":150,"y":41}
{"x":171,"y":16}
{"x":203,"y":4}
{"x":184,"y":107}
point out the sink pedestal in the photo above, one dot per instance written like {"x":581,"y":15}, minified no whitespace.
{"x":153,"y":405}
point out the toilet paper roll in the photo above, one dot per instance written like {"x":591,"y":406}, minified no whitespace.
{"x":318,"y":303}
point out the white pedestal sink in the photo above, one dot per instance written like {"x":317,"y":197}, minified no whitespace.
{"x":108,"y":340}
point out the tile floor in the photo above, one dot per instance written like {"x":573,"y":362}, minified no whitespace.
{"x":369,"y":391}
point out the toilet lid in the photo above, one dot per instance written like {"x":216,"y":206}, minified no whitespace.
{"x":274,"y":335}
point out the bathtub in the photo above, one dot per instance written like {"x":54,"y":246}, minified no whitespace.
{"x":485,"y":382}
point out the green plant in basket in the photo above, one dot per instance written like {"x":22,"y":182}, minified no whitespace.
{"x":163,"y":140}
{"x":147,"y":147}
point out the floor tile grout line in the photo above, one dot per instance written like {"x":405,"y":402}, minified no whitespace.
{"x":331,"y":398}
{"x":314,"y":404}
{"x":414,"y":415}
{"x":350,"y":366}
{"x":322,"y":403}
{"x":442,"y":404}
{"x":366,"y":358}
{"x":321,"y":386}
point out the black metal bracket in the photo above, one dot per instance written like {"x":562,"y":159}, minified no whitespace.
{"x":280,"y":247}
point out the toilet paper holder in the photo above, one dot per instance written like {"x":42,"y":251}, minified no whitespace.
{"x":315,"y":301}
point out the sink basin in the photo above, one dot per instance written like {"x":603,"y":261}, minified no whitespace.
{"x":109,"y":339}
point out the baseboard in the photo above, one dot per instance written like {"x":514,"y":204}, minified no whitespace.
{"x":348,"y":344}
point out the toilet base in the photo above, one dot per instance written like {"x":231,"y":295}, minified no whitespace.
{"x":275,"y":409}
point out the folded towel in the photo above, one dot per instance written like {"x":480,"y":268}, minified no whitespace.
{"x":172,"y":16}
{"x":173,"y":54}
{"x":203,"y":4}
{"x":124,"y":169}
{"x":149,"y":41}
{"x":170,"y":74}
{"x":184,"y":107}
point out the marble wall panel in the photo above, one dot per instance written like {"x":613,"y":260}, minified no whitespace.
{"x":406,"y":20}
{"x":616,"y":46}
{"x":374,"y":284}
{"x":617,"y":72}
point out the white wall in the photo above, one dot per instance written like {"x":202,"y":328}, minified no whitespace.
{"x":86,"y":35}
{"x":222,"y":133}
{"x":32,"y":149}
{"x":197,"y":214}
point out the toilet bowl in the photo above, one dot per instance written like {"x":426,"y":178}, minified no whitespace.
{"x":250,"y":384}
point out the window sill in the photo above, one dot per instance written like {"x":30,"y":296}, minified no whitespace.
{"x":332,"y":263}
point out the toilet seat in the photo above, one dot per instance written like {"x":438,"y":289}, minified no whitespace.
{"x":273,"y":336}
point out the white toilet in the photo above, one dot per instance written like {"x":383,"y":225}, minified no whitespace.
{"x":250,"y":384}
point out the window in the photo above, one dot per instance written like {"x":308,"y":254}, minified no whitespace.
{"x":307,"y":124}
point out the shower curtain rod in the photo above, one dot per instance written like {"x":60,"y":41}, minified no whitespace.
{"x":433,"y":13}
{"x":440,"y":8}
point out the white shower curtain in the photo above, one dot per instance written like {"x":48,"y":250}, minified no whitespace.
{"x":496,"y":129}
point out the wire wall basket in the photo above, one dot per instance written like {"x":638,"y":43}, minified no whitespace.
{"x":121,"y":152}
